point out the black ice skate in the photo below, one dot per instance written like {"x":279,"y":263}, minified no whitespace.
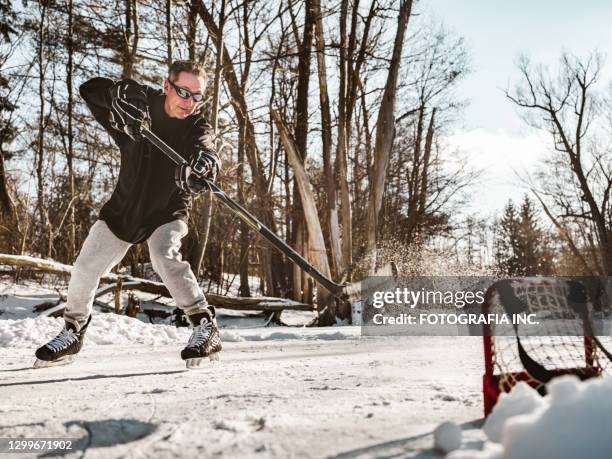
{"x":62,"y":349}
{"x":204,"y":341}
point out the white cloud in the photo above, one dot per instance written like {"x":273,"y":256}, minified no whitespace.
{"x":501,"y":156}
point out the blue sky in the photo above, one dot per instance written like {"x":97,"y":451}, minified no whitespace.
{"x":493,"y":134}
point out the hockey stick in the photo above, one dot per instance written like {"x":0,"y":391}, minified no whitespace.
{"x":577,"y":300}
{"x":344,"y":292}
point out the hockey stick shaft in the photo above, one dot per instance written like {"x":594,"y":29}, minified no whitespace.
{"x":334,"y":288}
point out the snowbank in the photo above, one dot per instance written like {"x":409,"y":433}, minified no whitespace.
{"x":116,"y":329}
{"x":20,"y":325}
{"x":522,"y":400}
{"x":104,"y":329}
{"x":572,"y":421}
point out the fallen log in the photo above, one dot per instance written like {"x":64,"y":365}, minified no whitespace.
{"x":55,"y":267}
{"x":120,"y":282}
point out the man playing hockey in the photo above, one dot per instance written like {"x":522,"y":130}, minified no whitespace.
{"x":151,"y":202}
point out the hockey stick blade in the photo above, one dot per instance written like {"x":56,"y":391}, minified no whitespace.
{"x":382,"y":279}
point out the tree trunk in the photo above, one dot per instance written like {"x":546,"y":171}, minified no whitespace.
{"x":244,"y":228}
{"x":192,"y":30}
{"x":207,"y":202}
{"x":70,"y":152}
{"x":420,"y":174}
{"x":326,"y":135}
{"x":252,"y":151}
{"x":413,"y":184}
{"x":131,"y":38}
{"x":426,"y":160}
{"x":6,"y":203}
{"x":315,"y":234}
{"x":41,"y":126}
{"x":168,"y":33}
{"x":346,"y":102}
{"x":341,"y":147}
{"x":301,"y":139}
{"x":385,"y":131}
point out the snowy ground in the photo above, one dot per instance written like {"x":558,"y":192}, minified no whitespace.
{"x":277,"y":392}
{"x":279,"y":398}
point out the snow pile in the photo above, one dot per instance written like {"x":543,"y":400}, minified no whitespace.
{"x":106,"y":329}
{"x":306,"y":333}
{"x":572,"y":421}
{"x":522,"y":400}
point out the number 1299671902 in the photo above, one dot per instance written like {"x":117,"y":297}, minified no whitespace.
{"x":13,"y":445}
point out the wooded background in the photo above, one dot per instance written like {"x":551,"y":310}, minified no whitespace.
{"x":331,"y":119}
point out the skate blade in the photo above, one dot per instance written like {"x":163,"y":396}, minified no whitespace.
{"x":197,"y":363}
{"x":66,"y":360}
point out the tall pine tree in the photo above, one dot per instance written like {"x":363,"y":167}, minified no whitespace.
{"x":522,"y":247}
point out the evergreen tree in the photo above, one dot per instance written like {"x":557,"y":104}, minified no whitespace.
{"x":522,"y":247}
{"x":506,"y":241}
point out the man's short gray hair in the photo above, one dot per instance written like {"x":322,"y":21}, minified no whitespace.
{"x":186,"y":66}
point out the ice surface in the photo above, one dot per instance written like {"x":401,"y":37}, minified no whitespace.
{"x":277,"y":391}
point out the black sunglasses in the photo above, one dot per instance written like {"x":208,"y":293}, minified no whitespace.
{"x":186,"y":93}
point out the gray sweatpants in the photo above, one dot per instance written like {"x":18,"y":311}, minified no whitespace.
{"x":102,"y":250}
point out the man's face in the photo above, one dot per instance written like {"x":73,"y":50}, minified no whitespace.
{"x":177,"y":107}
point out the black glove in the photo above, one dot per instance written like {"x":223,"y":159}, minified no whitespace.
{"x":129,"y":111}
{"x":199,"y":173}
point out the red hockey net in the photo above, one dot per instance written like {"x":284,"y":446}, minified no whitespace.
{"x":562,"y":343}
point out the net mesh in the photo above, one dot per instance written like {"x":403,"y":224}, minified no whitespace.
{"x":559,"y":342}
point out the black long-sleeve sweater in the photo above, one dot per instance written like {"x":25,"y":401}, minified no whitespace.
{"x":146,"y":195}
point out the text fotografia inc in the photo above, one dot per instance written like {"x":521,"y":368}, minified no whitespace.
{"x":455,"y":319}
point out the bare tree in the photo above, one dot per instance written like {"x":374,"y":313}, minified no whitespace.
{"x":385,"y":133}
{"x":326,"y":138}
{"x":272,"y":261}
{"x":168,"y":33}
{"x":300,"y":280}
{"x":42,"y":119}
{"x":206,"y":205}
{"x":70,"y":114}
{"x":310,"y":172}
{"x":569,"y":108}
{"x":311,"y":218}
{"x":130,"y":38}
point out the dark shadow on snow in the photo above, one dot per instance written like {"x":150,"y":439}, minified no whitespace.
{"x":104,"y":434}
{"x":85,"y":378}
{"x":391,"y":449}
{"x":29,"y":424}
{"x":16,"y":369}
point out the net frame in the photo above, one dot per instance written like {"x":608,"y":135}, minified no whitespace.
{"x":561,"y":352}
